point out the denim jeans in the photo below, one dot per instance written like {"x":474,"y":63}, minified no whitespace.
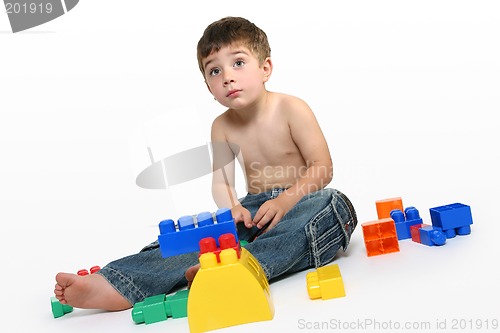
{"x":308,"y":236}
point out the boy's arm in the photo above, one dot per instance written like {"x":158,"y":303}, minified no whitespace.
{"x":307,"y":135}
{"x":223,"y":176}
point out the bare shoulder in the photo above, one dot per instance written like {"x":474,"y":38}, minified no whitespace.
{"x":218,"y":126}
{"x":292,"y":106}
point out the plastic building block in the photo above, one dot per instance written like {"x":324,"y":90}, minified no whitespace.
{"x":232,"y":292}
{"x":415,"y":232}
{"x":159,"y":307}
{"x":176,"y":304}
{"x":453,"y":219}
{"x":428,"y":235}
{"x":184,"y":239}
{"x":58,"y":309}
{"x":380,"y":237}
{"x":385,"y":206}
{"x":93,"y":269}
{"x":226,"y":241}
{"x":404,"y":221}
{"x":326,"y":282}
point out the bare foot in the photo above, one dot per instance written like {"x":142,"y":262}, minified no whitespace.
{"x":190,"y":274}
{"x":89,"y":292}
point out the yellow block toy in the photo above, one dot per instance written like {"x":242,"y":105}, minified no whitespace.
{"x":326,"y":282}
{"x":232,"y":292}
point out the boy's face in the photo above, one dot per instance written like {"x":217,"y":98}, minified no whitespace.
{"x":235,"y":77}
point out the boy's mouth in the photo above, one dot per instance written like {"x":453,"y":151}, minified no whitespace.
{"x":233,"y":92}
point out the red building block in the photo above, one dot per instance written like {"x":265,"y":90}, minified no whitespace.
{"x":380,"y":237}
{"x":226,"y":241}
{"x":94,"y":269}
{"x":415,"y":232}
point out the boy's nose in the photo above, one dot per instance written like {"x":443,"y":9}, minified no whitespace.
{"x":228,"y":78}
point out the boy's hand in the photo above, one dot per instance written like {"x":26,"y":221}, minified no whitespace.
{"x":241,"y":214}
{"x":272,"y":211}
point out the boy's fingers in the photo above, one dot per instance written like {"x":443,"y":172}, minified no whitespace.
{"x":275,"y":221}
{"x":268,"y":217}
{"x":247,"y":219}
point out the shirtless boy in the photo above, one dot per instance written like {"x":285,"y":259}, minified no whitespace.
{"x":286,"y":161}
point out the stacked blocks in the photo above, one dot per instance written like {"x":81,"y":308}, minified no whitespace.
{"x":226,"y":241}
{"x":404,"y":221}
{"x":427,"y":235}
{"x":380,"y":237}
{"x":158,"y":308}
{"x":228,"y":293}
{"x":184,"y":239}
{"x":453,"y":219}
{"x":385,"y":206}
{"x":326,"y":282}
{"x":58,"y":309}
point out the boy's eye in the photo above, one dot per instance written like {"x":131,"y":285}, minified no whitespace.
{"x":214,"y":72}
{"x":239,"y":63}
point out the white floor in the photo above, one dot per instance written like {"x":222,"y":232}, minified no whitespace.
{"x":454,"y":284}
{"x":407,"y":95}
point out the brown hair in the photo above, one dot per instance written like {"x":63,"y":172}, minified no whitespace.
{"x":231,"y":30}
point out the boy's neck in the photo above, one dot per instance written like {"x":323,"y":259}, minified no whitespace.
{"x":254,"y":110}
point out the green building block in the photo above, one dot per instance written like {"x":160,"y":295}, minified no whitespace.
{"x":158,"y":308}
{"x":58,"y":309}
{"x":149,"y":311}
{"x":176,"y":305}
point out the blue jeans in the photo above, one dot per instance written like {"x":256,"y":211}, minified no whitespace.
{"x":308,"y":236}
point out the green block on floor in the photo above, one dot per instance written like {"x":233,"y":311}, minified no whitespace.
{"x":58,"y":309}
{"x":150,"y":311}
{"x":176,"y":305}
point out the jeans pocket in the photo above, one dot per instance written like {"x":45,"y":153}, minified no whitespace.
{"x":325,"y":236}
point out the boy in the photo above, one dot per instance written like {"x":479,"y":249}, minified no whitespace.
{"x":291,"y":221}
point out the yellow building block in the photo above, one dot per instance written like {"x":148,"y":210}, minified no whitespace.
{"x":232,"y":292}
{"x":326,"y":282}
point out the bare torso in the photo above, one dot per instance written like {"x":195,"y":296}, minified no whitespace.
{"x":269,"y":156}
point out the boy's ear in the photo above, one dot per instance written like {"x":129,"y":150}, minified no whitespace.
{"x":267,"y":67}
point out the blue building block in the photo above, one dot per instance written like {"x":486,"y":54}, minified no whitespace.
{"x":453,"y":219}
{"x":403,"y":221}
{"x":186,"y":237}
{"x":431,"y":235}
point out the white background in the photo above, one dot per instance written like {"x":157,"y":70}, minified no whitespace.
{"x":407,"y":94}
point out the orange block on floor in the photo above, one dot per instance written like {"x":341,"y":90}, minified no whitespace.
{"x":385,"y":206}
{"x":380,"y":237}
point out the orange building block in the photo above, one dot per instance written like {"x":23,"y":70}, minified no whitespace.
{"x":385,"y":206}
{"x":380,"y":237}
